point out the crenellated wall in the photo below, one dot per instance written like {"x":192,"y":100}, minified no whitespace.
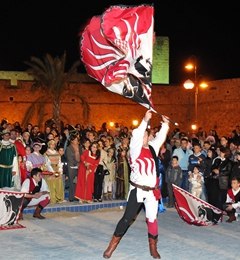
{"x":218,"y":105}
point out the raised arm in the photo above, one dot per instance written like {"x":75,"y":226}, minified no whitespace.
{"x":161,"y":136}
{"x":136,"y":142}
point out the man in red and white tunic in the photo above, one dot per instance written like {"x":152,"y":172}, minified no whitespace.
{"x":37,"y":193}
{"x":232,"y":206}
{"x":144,"y":184}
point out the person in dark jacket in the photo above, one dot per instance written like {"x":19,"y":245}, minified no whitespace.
{"x":197,"y":159}
{"x":210,"y":183}
{"x":223,"y":173}
{"x":165,"y":157}
{"x":236,"y":166}
{"x":73,"y":160}
{"x":173,"y":175}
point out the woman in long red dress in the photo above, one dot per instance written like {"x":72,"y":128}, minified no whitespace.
{"x":89,"y":161}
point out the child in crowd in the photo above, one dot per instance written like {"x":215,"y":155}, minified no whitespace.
{"x":196,"y":181}
{"x":22,"y":168}
{"x":233,"y":199}
{"x":173,"y":175}
{"x":109,"y":179}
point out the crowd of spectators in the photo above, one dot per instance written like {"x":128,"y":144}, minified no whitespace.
{"x":94,"y":164}
{"x":209,"y":164}
{"x":69,"y":160}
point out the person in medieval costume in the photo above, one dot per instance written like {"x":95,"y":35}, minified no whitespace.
{"x":144,"y":184}
{"x":9,"y":173}
{"x":122,"y":174}
{"x":37,"y":160}
{"x":232,"y":204}
{"x":15,"y":139}
{"x":37,"y":193}
{"x":54,"y":181}
{"x":89,"y":161}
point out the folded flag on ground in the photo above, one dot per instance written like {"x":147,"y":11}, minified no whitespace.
{"x":10,"y":207}
{"x":195,"y":211}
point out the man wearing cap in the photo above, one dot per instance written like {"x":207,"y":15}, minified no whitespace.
{"x":8,"y":162}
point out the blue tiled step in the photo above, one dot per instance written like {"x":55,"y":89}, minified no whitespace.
{"x":76,"y":207}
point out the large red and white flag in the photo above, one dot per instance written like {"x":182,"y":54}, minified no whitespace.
{"x":117,"y":48}
{"x":10,"y":207}
{"x":195,"y":211}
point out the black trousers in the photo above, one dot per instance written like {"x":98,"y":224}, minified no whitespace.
{"x":222,"y":198}
{"x":132,"y":209}
{"x":25,"y":203}
{"x":212,"y":188}
{"x":72,"y":186}
{"x":171,"y":198}
{"x":98,"y":185}
{"x":164,"y":188}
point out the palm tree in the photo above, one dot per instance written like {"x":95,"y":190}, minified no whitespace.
{"x":51,"y":80}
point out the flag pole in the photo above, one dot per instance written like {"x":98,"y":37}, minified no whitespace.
{"x":170,"y":120}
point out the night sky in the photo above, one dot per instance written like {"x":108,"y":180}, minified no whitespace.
{"x":206,"y":29}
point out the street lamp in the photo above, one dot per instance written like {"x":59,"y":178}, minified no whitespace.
{"x":188,"y":84}
{"x":192,"y":65}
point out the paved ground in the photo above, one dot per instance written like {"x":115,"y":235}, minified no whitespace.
{"x":86,"y":235}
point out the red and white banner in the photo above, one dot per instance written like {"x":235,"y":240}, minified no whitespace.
{"x":195,"y":211}
{"x":117,"y":48}
{"x":10,"y":207}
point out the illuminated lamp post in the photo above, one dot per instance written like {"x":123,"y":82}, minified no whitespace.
{"x":188,"y":84}
{"x":192,"y":65}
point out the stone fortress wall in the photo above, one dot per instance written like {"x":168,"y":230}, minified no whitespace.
{"x":218,"y":105}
